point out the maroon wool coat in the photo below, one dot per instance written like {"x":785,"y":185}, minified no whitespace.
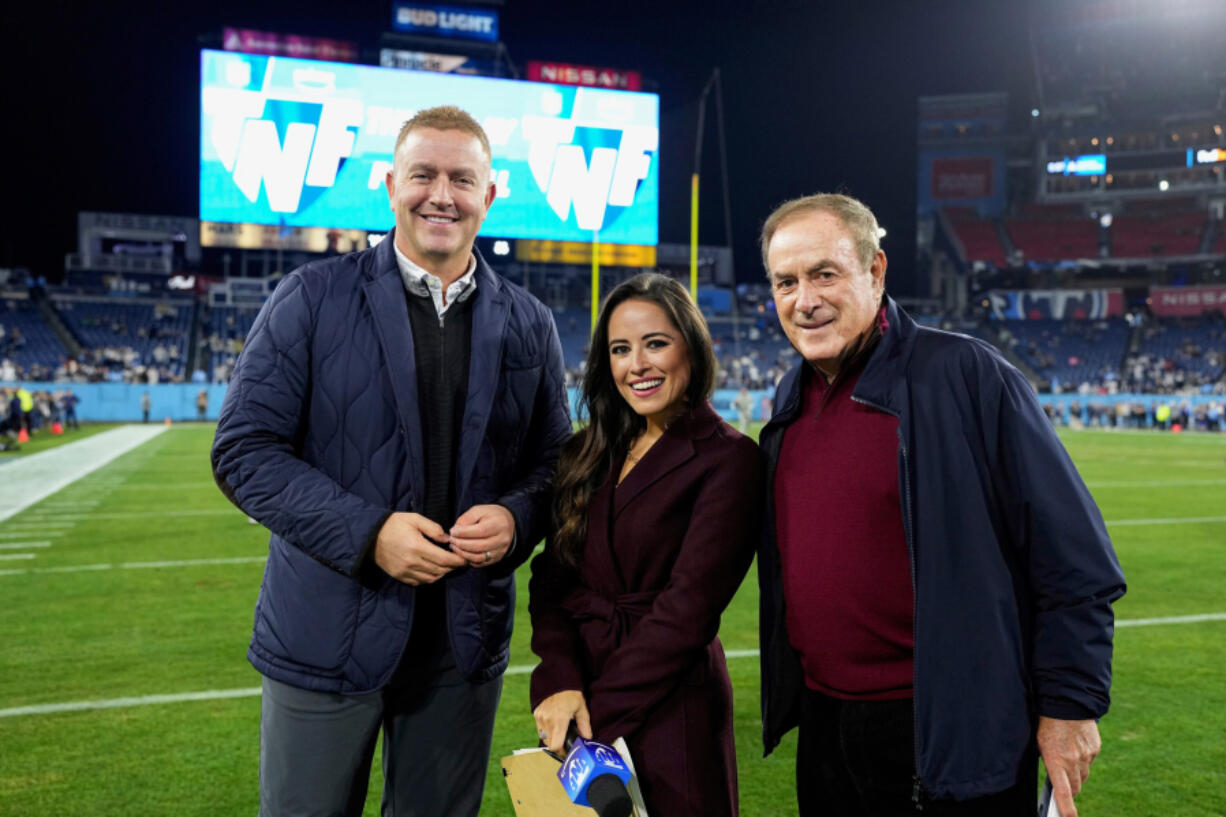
{"x":635,"y":629}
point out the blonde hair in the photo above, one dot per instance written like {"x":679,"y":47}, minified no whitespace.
{"x":445,"y":117}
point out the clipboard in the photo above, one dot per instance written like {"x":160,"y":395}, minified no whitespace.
{"x":532,"y":781}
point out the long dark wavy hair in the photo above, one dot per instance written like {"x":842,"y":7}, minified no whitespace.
{"x":612,"y":425}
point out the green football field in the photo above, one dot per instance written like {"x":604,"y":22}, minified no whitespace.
{"x":124,"y":688}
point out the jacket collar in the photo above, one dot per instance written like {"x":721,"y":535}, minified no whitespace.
{"x":670,"y":452}
{"x":383,"y":263}
{"x":885,"y":368}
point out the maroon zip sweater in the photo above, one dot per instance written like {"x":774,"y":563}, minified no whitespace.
{"x":846,"y":572}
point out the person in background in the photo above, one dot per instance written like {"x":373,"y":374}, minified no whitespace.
{"x":146,"y":405}
{"x":69,"y":403}
{"x":936,"y":581}
{"x":394,"y":420}
{"x":656,"y":516}
{"x":743,"y":404}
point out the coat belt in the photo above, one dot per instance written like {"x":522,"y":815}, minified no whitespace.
{"x":621,"y":612}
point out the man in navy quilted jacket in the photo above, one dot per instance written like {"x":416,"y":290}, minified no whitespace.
{"x":394,"y":420}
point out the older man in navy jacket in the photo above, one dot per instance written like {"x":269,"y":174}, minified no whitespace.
{"x":936,"y":579}
{"x":394,"y":420}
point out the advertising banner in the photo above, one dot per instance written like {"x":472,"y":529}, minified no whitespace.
{"x":300,"y":143}
{"x":566,"y":74}
{"x":288,"y":45}
{"x":266,"y":237}
{"x":580,"y":252}
{"x":961,"y":178}
{"x":1058,"y":304}
{"x":1177,"y":301}
{"x":440,"y":63}
{"x":446,"y":21}
{"x":955,"y":177}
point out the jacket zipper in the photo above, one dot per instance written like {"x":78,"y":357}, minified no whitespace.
{"x":917,"y":784}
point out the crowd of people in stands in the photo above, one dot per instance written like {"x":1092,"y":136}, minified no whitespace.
{"x":1082,"y":357}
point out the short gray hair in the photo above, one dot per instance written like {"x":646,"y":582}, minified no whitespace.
{"x":855,"y":215}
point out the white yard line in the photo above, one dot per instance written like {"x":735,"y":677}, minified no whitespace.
{"x":1187,"y":520}
{"x":1156,"y":483}
{"x":519,"y":669}
{"x":12,"y":556}
{"x":23,"y":545}
{"x":236,"y":560}
{"x":77,"y":517}
{"x":34,"y":478}
{"x":57,"y":521}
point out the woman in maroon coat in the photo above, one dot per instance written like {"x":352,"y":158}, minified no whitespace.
{"x":656,"y":511}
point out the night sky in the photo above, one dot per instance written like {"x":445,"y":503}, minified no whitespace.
{"x":102,"y":100}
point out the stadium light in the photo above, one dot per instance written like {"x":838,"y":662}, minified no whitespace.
{"x":880,"y":233}
{"x":1034,"y":112}
{"x":502,"y":247}
{"x":1105,"y":220}
{"x":1164,"y":185}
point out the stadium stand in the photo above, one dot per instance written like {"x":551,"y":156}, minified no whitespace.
{"x":978,"y":236}
{"x":118,"y":331}
{"x":1179,"y":354}
{"x":26,"y":339}
{"x":226,"y":331}
{"x":1156,"y":228}
{"x":1053,"y":232}
{"x":1070,"y":353}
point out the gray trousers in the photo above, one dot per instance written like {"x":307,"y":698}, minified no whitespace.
{"x":316,"y":747}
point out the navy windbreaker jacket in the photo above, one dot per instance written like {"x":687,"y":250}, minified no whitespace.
{"x":1013,"y":571}
{"x":319,"y":439}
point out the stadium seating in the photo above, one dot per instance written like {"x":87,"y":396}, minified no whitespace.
{"x":1178,"y":353}
{"x":99,"y":323}
{"x":1151,"y":230}
{"x":978,"y":236}
{"x":1071,"y":352}
{"x":28,"y":341}
{"x":224,"y":336}
{"x":1053,"y":233}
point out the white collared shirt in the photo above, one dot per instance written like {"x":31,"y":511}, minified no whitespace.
{"x":419,"y":282}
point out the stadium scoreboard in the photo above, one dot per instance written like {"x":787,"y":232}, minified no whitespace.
{"x":306,"y":143}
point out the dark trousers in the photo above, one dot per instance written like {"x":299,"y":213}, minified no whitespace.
{"x":316,"y":748}
{"x":857,"y":759}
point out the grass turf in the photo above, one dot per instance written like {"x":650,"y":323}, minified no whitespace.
{"x":118,"y":631}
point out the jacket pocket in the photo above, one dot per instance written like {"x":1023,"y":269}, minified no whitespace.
{"x":308,"y":613}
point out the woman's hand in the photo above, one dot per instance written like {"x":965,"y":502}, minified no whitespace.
{"x":554,"y":715}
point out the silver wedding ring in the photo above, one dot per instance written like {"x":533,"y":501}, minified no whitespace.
{"x":543,"y":734}
{"x":488,"y":556}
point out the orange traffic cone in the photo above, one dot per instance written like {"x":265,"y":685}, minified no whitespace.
{"x":56,"y":428}
{"x":167,"y":422}
{"x":22,"y":436}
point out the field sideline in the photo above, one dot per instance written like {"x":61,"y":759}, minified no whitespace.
{"x":138,"y":581}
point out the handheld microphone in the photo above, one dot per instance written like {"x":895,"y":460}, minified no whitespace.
{"x":595,"y":775}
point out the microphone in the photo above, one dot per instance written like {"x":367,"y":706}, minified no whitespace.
{"x":595,"y":775}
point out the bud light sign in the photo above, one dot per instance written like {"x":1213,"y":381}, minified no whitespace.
{"x":446,"y":21}
{"x":305,"y":143}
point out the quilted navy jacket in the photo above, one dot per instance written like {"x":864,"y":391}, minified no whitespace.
{"x":1013,"y":572}
{"x":319,"y":439}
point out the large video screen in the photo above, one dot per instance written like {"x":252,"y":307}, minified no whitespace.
{"x":304,"y":143}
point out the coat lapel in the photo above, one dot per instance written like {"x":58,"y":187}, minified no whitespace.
{"x":484,"y":370}
{"x":670,"y":452}
{"x":385,"y":299}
